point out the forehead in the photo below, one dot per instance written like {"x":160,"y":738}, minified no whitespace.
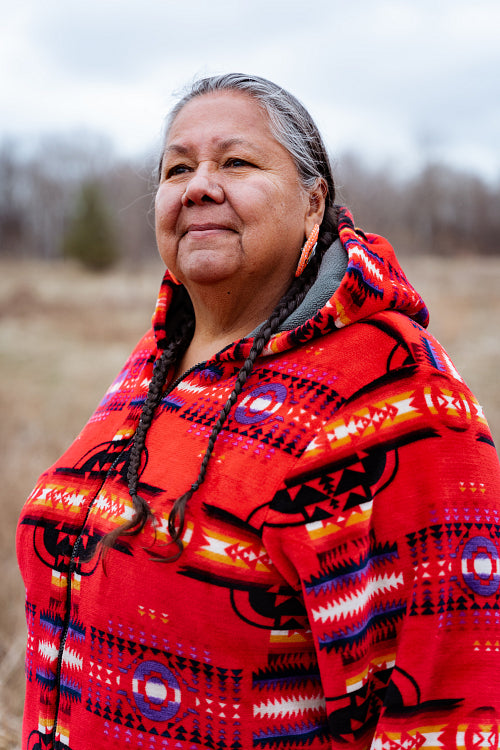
{"x":220,"y":115}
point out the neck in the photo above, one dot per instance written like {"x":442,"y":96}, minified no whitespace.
{"x":223,"y":315}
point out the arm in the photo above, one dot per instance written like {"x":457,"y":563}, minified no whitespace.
{"x":398,"y":557}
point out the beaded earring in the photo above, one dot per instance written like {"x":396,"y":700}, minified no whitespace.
{"x":308,"y":250}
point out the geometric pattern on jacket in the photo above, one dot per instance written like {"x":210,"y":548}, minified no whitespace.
{"x":339,"y":585}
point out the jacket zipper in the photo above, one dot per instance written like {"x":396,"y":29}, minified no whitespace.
{"x":74,"y":554}
{"x":67,"y":617}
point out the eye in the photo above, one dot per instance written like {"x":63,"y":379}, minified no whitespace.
{"x":235,"y":161}
{"x":176,"y":169}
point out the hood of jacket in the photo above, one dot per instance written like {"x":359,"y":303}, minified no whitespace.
{"x":359,"y":277}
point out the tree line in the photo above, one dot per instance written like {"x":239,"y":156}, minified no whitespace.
{"x":73,"y":197}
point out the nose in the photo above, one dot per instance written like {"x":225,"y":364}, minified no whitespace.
{"x":203,"y":187}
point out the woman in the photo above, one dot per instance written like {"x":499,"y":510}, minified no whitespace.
{"x":280,"y":527}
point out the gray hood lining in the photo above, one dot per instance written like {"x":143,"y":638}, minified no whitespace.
{"x":331,"y":272}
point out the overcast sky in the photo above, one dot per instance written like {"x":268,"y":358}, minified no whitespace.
{"x":395,"y":81}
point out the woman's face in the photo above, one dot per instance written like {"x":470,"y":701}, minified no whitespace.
{"x":230,"y":206}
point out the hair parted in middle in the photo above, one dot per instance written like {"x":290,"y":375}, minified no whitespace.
{"x":293,"y":127}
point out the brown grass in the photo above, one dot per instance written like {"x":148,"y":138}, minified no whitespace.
{"x":65,"y":334}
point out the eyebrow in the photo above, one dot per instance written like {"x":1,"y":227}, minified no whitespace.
{"x":222,"y":146}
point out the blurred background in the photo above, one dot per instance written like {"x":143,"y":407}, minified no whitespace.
{"x":407,"y":96}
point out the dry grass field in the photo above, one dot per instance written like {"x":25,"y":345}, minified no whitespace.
{"x":63,"y":336}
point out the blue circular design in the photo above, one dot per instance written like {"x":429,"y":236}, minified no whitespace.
{"x":261,"y":403}
{"x":481,"y":566}
{"x":156,"y":691}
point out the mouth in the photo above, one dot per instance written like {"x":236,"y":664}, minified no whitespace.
{"x":202,"y":230}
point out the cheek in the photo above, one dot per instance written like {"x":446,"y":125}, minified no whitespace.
{"x":282,"y":218}
{"x":166,"y":212}
{"x":165,"y":224}
{"x":281,"y":208}
{"x":261,"y":208}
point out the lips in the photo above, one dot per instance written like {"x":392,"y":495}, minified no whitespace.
{"x":207,"y":228}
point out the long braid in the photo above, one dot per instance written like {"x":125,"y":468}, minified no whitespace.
{"x":292,"y":127}
{"x":181,"y":331}
{"x":288,"y":303}
{"x":172,"y":354}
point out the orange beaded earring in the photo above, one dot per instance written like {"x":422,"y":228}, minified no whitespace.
{"x":308,"y":250}
{"x":179,"y":283}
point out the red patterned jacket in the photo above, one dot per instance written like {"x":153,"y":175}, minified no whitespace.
{"x":340,"y":580}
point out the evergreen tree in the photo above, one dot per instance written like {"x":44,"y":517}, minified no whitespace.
{"x":91,"y":237}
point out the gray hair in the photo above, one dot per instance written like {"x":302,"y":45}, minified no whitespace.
{"x":291,"y":125}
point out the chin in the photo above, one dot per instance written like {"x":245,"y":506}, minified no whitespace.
{"x":210,"y":268}
{"x":206,"y":278}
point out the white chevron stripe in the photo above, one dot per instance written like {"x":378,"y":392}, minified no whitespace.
{"x":47,"y":649}
{"x":185,"y":386}
{"x":367,"y":262}
{"x":359,"y":600}
{"x":71,"y":659}
{"x":215,"y":546}
{"x":289,"y":706}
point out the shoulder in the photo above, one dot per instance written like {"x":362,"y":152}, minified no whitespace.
{"x":384,"y":343}
{"x":399,"y":387}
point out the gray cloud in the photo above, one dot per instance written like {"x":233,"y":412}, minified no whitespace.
{"x":394,"y":80}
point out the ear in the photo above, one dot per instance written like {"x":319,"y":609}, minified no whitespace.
{"x":316,"y":205}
